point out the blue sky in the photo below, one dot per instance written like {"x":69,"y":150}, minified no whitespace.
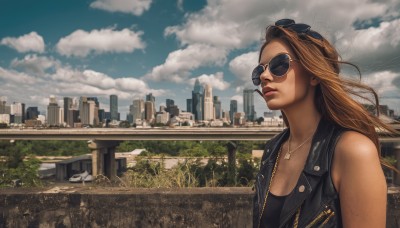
{"x":132,"y":48}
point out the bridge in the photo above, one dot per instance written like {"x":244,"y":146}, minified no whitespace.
{"x":103,"y":141}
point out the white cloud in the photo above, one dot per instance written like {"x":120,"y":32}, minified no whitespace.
{"x":67,"y":81}
{"x":224,"y":25}
{"x":34,"y":64}
{"x":81,"y":43}
{"x":375,"y":48}
{"x":382,"y":82}
{"x":179,"y":4}
{"x":215,"y":80}
{"x":242,"y":66}
{"x":12,"y":76}
{"x":135,"y":7}
{"x":179,"y":63}
{"x":26,"y":43}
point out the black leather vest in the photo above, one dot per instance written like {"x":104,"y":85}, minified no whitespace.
{"x":314,"y":201}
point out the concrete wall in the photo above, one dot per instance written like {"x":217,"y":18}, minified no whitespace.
{"x":119,"y":207}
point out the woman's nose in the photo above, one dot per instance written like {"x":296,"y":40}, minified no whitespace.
{"x":266,"y":76}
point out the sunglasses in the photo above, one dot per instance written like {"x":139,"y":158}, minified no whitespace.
{"x":278,"y":66}
{"x":298,"y":28}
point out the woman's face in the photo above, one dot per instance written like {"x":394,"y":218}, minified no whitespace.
{"x":291,"y":88}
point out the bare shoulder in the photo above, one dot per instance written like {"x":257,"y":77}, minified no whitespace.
{"x":354,"y":146}
{"x":358,"y":177}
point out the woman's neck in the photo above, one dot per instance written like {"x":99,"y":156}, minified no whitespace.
{"x":303,"y":122}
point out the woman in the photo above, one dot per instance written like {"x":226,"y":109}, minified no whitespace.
{"x":324,"y":169}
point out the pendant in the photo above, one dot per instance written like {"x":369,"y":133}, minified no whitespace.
{"x":287,"y":156}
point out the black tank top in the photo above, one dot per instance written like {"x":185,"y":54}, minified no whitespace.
{"x":272,"y":211}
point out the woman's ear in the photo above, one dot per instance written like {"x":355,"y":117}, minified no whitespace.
{"x":314,"y":81}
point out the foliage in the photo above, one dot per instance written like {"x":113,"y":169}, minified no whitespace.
{"x":18,"y":164}
{"x":190,"y":173}
{"x":148,"y":174}
{"x":45,"y":148}
{"x":191,"y":148}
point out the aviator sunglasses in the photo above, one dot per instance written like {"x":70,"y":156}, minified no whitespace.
{"x":278,"y":66}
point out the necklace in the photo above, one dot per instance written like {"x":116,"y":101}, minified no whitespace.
{"x":289,"y":152}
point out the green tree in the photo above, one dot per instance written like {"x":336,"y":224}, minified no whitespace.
{"x":18,"y":164}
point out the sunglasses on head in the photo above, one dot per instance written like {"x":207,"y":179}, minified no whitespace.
{"x":298,"y":28}
{"x":278,"y":66}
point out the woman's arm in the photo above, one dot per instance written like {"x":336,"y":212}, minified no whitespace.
{"x":358,"y":177}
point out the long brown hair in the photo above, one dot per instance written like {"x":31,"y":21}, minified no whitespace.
{"x":333,"y":96}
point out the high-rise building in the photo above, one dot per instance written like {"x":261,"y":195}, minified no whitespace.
{"x":174,"y":110}
{"x":197,"y":101}
{"x":208,"y":103}
{"x":114,"y":107}
{"x":4,"y":108}
{"x":72,"y":117}
{"x":102,"y":115}
{"x":189,"y":105}
{"x":150,"y":97}
{"x":233,"y":109}
{"x":169,"y":103}
{"x":53,"y":112}
{"x":149,"y":111}
{"x":84,"y":110}
{"x":89,"y":112}
{"x":217,"y":108}
{"x":248,"y":104}
{"x":67,"y":106}
{"x":18,"y":111}
{"x":137,"y":109}
{"x":32,"y":113}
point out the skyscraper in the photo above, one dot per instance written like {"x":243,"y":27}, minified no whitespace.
{"x":208,"y":103}
{"x":53,"y":112}
{"x":189,"y":105}
{"x":137,"y":109}
{"x":233,"y":109}
{"x":67,"y":106}
{"x":248,"y":104}
{"x":197,"y":101}
{"x":149,"y":111}
{"x":32,"y":113}
{"x":217,"y":108}
{"x":169,"y":103}
{"x":114,"y":107}
{"x":152,"y":99}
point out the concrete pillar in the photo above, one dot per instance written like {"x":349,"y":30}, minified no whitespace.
{"x":232,"y":146}
{"x":397,"y":156}
{"x":103,"y":158}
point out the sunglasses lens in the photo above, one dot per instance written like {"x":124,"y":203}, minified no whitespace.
{"x":279,"y":65}
{"x":255,"y":76}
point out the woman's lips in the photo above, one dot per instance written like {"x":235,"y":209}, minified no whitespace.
{"x":267,"y":91}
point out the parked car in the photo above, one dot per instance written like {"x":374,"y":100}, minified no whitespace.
{"x":81,"y":177}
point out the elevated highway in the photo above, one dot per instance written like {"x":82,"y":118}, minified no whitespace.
{"x":122,"y":134}
{"x":103,"y":141}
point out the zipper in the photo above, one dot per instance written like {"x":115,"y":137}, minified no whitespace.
{"x":328,"y":212}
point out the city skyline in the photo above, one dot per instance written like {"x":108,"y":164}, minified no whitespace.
{"x":99,"y":48}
